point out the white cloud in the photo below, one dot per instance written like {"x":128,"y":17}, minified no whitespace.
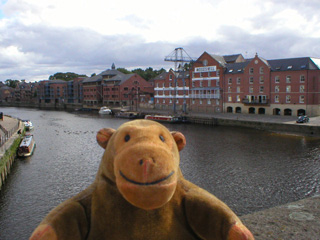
{"x":41,"y":37}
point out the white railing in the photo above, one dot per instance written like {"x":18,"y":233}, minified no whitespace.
{"x":171,"y":96}
{"x":205,"y":95}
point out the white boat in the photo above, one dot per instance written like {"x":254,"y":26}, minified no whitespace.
{"x":26,"y":146}
{"x":28,"y":124}
{"x":105,"y":110}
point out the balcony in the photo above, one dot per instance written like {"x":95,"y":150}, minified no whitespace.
{"x":259,"y":102}
{"x":206,"y":96}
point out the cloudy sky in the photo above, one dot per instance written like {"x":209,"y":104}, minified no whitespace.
{"x":41,"y":37}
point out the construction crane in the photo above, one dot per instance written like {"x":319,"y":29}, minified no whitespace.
{"x":180,"y":57}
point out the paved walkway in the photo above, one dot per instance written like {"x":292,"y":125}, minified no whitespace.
{"x":294,"y":221}
{"x":9,"y":124}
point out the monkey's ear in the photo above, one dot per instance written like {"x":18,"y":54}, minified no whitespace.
{"x":103,"y":136}
{"x":180,"y":139}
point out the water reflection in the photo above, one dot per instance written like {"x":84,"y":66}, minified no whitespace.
{"x":248,"y":169}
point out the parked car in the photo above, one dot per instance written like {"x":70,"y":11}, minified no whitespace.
{"x":303,"y":119}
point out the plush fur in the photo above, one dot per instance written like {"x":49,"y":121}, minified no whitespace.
{"x":140,"y":193}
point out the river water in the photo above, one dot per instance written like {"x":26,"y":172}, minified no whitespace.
{"x":248,"y":169}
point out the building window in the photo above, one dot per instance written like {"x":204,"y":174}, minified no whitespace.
{"x":288,"y":99}
{"x":288,"y":79}
{"x":200,"y":101}
{"x":170,"y":100}
{"x":288,"y":88}
{"x":277,"y":79}
{"x":238,"y":80}
{"x":238,"y":89}
{"x":200,"y":74}
{"x":238,"y":98}
{"x":261,"y":88}
{"x":170,"y":77}
{"x":230,"y":81}
{"x":229,"y":98}
{"x":163,"y":101}
{"x":209,"y":102}
{"x":201,"y":84}
{"x":177,"y":101}
{"x":261,"y":80}
{"x":301,"y":99}
{"x":277,"y":88}
{"x":170,"y":84}
{"x":218,"y":72}
{"x":209,"y":83}
{"x":158,"y":100}
{"x":250,"y":70}
{"x":205,"y":62}
{"x":276,"y":98}
{"x":251,"y":80}
{"x":193,"y":101}
{"x":261,"y":70}
{"x":250,"y":89}
{"x":229,"y":89}
{"x":301,"y":88}
{"x":192,"y":83}
{"x":302,"y":79}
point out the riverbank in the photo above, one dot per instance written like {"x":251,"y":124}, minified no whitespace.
{"x":273,"y":123}
{"x":10,"y":146}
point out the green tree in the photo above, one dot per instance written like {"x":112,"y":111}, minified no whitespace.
{"x":11,"y":83}
{"x":68,"y":76}
{"x":123,"y":70}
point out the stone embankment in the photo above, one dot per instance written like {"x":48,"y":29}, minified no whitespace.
{"x":9,"y":143}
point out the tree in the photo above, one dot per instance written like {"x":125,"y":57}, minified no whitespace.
{"x":68,"y":76}
{"x":11,"y":83}
{"x":123,"y":70}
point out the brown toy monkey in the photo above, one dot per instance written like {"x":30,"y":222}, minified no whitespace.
{"x":140,"y":193}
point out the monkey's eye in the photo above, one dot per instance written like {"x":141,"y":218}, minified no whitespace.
{"x":127,"y":138}
{"x":161,"y":138}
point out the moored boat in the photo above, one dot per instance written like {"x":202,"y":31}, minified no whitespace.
{"x":162,"y":118}
{"x":28,"y":125}
{"x":105,"y":110}
{"x":129,"y":115}
{"x":26,"y":146}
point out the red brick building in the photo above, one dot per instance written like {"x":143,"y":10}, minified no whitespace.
{"x":172,"y":91}
{"x":52,"y":91}
{"x":273,"y":87}
{"x":114,"y":88}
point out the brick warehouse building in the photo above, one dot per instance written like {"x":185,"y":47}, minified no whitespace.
{"x":114,"y":88}
{"x":273,"y":87}
{"x":237,"y":85}
{"x":172,"y":91}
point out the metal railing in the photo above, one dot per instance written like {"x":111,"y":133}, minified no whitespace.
{"x":7,"y":133}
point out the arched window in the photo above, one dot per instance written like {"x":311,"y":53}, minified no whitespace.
{"x":252,"y":110}
{"x":238,"y":109}
{"x":287,"y":112}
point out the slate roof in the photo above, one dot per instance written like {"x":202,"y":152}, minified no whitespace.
{"x":161,"y":76}
{"x":219,"y":59}
{"x":292,"y":64}
{"x":289,"y":64}
{"x":232,"y":68}
{"x":231,"y":58}
{"x":99,"y":77}
{"x":120,"y":78}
